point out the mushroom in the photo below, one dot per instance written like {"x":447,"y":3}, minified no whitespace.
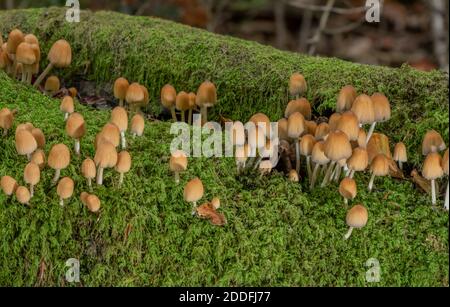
{"x":105,"y":157}
{"x":192,"y":99}
{"x":262,"y":120}
{"x":400,"y":154}
{"x":93,"y":203}
{"x":445,"y":169}
{"x":307,"y":143}
{"x":110,"y":133}
{"x":119,"y":117}
{"x":32,"y":176}
{"x":144,"y":102}
{"x":336,"y":147}
{"x":193,"y":192}
{"x":378,"y":167}
{"x":293,"y":176}
{"x":25,"y":126}
{"x":76,"y":129}
{"x":168,"y":98}
{"x":347,"y":189}
{"x":134,"y":95}
{"x":362,"y":137}
{"x":215,"y":202}
{"x":6,"y":120}
{"x":123,"y":164}
{"x":58,"y":159}
{"x":67,"y":106}
{"x":356,"y":218}
{"x":88,"y":171}
{"x":432,"y":170}
{"x":23,"y":195}
{"x":382,"y":111}
{"x":333,"y":121}
{"x":178,"y":163}
{"x":38,"y":158}
{"x":300,"y":105}
{"x":320,"y":159}
{"x":282,"y":129}
{"x":25,"y":143}
{"x":15,"y":37}
{"x":59,"y":56}
{"x":137,"y":125}
{"x":73,"y":92}
{"x":322,"y":131}
{"x":120,"y":89}
{"x":311,"y":127}
{"x":348,"y":123}
{"x":8,"y":185}
{"x":297,"y":85}
{"x":345,"y":99}
{"x":358,"y":162}
{"x":206,"y":98}
{"x":182,"y":104}
{"x":52,"y":85}
{"x":296,"y":126}
{"x":26,"y":56}
{"x":5,"y":62}
{"x":65,"y":189}
{"x":39,"y":137}
{"x":432,"y":142}
{"x":363,"y":108}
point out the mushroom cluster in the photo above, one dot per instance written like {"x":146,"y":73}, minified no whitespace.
{"x":135,"y":95}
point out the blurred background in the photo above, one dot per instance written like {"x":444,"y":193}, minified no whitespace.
{"x":410,"y":31}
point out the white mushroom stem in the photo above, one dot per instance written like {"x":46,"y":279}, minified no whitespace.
{"x":123,"y":140}
{"x":29,"y":157}
{"x":371,"y":130}
{"x":328,"y":173}
{"x":348,"y":234}
{"x":77,"y":147}
{"x":134,"y":135}
{"x":433,"y":192}
{"x":121,"y":102}
{"x":190,"y":117}
{"x":56,"y":177}
{"x":314,"y":176}
{"x":31,"y":190}
{"x":345,"y":202}
{"x":100,"y":176}
{"x":338,"y":173}
{"x":352,"y":174}
{"x":183,"y":116}
{"x":89,"y":180}
{"x":308,"y":167}
{"x":121,"y":179}
{"x":61,"y":202}
{"x":177,"y":177}
{"x":174,"y":115}
{"x":297,"y":156}
{"x":257,"y":162}
{"x":194,"y":208}
{"x":348,"y":172}
{"x":371,"y":182}
{"x":446,"y":199}
{"x":400,"y":165}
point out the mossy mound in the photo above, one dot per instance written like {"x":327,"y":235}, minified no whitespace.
{"x":250,"y":77}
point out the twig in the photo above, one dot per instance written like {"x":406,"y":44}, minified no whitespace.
{"x":281,"y":35}
{"x":322,"y":25}
{"x":334,"y":10}
{"x":438,"y":26}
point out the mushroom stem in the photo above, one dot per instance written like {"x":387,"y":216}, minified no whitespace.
{"x":14,"y":67}
{"x":297,"y":156}
{"x":314,"y":176}
{"x":257,"y":162}
{"x":29,"y":157}
{"x":31,"y":190}
{"x":371,"y":182}
{"x":121,"y":179}
{"x":190,"y":117}
{"x":348,"y":234}
{"x":77,"y":147}
{"x":400,"y":165}
{"x":177,"y":177}
{"x":123,"y":139}
{"x":352,"y":174}
{"x":204,"y":114}
{"x":328,"y":173}
{"x":121,"y":102}
{"x":24,"y":74}
{"x":5,"y":132}
{"x":183,"y":116}
{"x":42,"y":76}
{"x":30,"y":74}
{"x":100,"y":176}
{"x":433,"y":192}
{"x":56,"y":177}
{"x":371,"y":130}
{"x":345,"y":202}
{"x":66,"y":116}
{"x":61,"y":202}
{"x":338,"y":173}
{"x":174,"y":115}
{"x":194,"y":208}
{"x":348,"y":172}
{"x":89,"y":180}
{"x":446,"y":198}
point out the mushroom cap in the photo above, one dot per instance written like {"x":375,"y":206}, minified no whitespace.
{"x":382,"y":107}
{"x":4,"y":60}
{"x":123,"y":162}
{"x":25,"y":126}
{"x":60,"y":54}
{"x":282,"y":129}
{"x":65,"y":188}
{"x":73,"y":92}
{"x":8,"y":185}
{"x":59,"y":157}
{"x":445,"y":162}
{"x":37,"y":53}
{"x":67,"y":105}
{"x":25,"y":54}
{"x":110,"y":133}
{"x":6,"y":119}
{"x":362,"y":137}
{"x":432,"y":166}
{"x":38,"y":158}
{"x":378,"y":144}
{"x":400,"y":154}
{"x":31,"y":39}
{"x":93,"y":203}
{"x":83,"y":198}
{"x":88,"y":169}
{"x":296,"y":125}
{"x":178,"y":161}
{"x":318,"y":154}
{"x":359,"y":160}
{"x":182,"y":101}
{"x":52,"y":84}
{"x":346,"y":97}
{"x":168,"y":96}
{"x":39,"y":137}
{"x":119,"y":117}
{"x":363,"y":109}
{"x":307,"y":143}
{"x":322,"y":131}
{"x":76,"y":126}
{"x":337,"y":146}
{"x":146,"y":99}
{"x":347,"y":188}
{"x":106,"y":155}
{"x":120,"y":88}
{"x":25,"y":142}
{"x":237,"y":134}
{"x":15,"y":37}
{"x":192,"y":98}
{"x":32,"y":174}
{"x":261,"y":120}
{"x":357,"y":216}
{"x":206,"y":94}
{"x":432,"y":142}
{"x":215,"y":202}
{"x":193,"y":191}
{"x":380,"y":165}
{"x":299,"y":105}
{"x":293,"y":175}
{"x":297,"y":84}
{"x":134,"y":94}
{"x":348,"y":123}
{"x":137,"y":124}
{"x":333,"y":121}
{"x":23,"y":195}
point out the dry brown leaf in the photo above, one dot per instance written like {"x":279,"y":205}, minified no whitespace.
{"x":207,"y":211}
{"x":422,"y":183}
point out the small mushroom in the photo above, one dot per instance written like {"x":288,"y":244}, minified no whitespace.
{"x":192,"y":99}
{"x":59,"y":56}
{"x":432,"y":142}
{"x":293,"y":176}
{"x":347,"y":189}
{"x":32,"y":176}
{"x":88,"y":170}
{"x":110,"y":133}
{"x":168,"y":99}
{"x":65,"y":189}
{"x":363,"y":108}
{"x":134,"y":95}
{"x":307,"y":143}
{"x":15,"y":37}
{"x":120,"y":89}
{"x":38,"y":158}
{"x":93,"y":203}
{"x":215,"y":202}
{"x":119,"y":117}
{"x":299,"y":105}
{"x":178,"y":163}
{"x":67,"y":106}
{"x":6,"y":120}
{"x":296,"y":126}
{"x":39,"y":137}
{"x":320,"y":159}
{"x":348,"y":123}
{"x":311,"y":127}
{"x":322,"y":131}
{"x":52,"y":85}
{"x":283,"y":129}
{"x":382,"y":111}
{"x":356,"y":218}
{"x":193,"y":192}
{"x":8,"y":185}
{"x":76,"y":129}
{"x":25,"y":143}
{"x":345,"y":100}
{"x":123,"y":164}
{"x":378,"y":167}
{"x":137,"y":125}
{"x":58,"y":159}
{"x":105,"y":157}
{"x":297,"y":85}
{"x":358,"y":162}
{"x":73,"y":92}
{"x":432,"y":170}
{"x":27,"y":57}
{"x":400,"y":154}
{"x":336,"y":147}
{"x":445,"y":169}
{"x":206,"y":98}
{"x":182,"y":104}
{"x":23,"y":195}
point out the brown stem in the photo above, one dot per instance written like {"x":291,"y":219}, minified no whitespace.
{"x":174,"y":115}
{"x":42,"y":76}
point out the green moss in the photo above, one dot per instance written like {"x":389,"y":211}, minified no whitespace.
{"x":250,"y":77}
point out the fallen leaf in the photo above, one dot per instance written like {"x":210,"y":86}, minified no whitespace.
{"x":207,"y":211}
{"x":422,"y":183}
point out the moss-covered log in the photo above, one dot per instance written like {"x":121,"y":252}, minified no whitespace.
{"x":250,"y":77}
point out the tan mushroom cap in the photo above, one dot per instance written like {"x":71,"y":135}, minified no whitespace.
{"x":432,"y":142}
{"x":193,"y":191}
{"x":23,"y":195}
{"x":168,"y":96}
{"x":299,"y":105}
{"x":25,"y":142}
{"x":15,"y":37}
{"x":178,"y":161}
{"x":120,"y":88}
{"x":297,"y":84}
{"x":378,"y":144}
{"x":32,"y":174}
{"x":6,"y":119}
{"x":363,"y":109}
{"x":337,"y":146}
{"x":182,"y":101}
{"x":359,"y":160}
{"x":400,"y":154}
{"x":432,"y":166}
{"x":346,"y":97}
{"x":318,"y":154}
{"x":382,"y":107}
{"x":52,"y":84}
{"x":76,"y":126}
{"x":445,"y":162}
{"x":380,"y":165}
{"x":293,"y":176}
{"x":25,"y":126}
{"x":322,"y":131}
{"x":31,"y":39}
{"x":206,"y":94}
{"x":357,"y":216}
{"x":39,"y":137}
{"x":137,"y":124}
{"x":4,"y":60}
{"x":134,"y":95}
{"x":25,"y":54}
{"x":146,"y":99}
{"x":282,"y":129}
{"x":334,"y":120}
{"x":38,"y":158}
{"x":348,"y":123}
{"x":60,"y":54}
{"x":8,"y":185}
{"x":123,"y":162}
{"x":83,"y":198}
{"x":347,"y":188}
{"x":192,"y":99}
{"x":263,"y":121}
{"x":88,"y":169}
{"x":67,"y":105}
{"x":65,"y":188}
{"x":110,"y":133}
{"x":106,"y":155}
{"x":93,"y":203}
{"x":59,"y":157}
{"x":296,"y":125}
{"x":362,"y":137}
{"x":119,"y":117}
{"x":73,"y":92}
{"x":215,"y":202}
{"x":307,"y":143}
{"x":311,"y":127}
